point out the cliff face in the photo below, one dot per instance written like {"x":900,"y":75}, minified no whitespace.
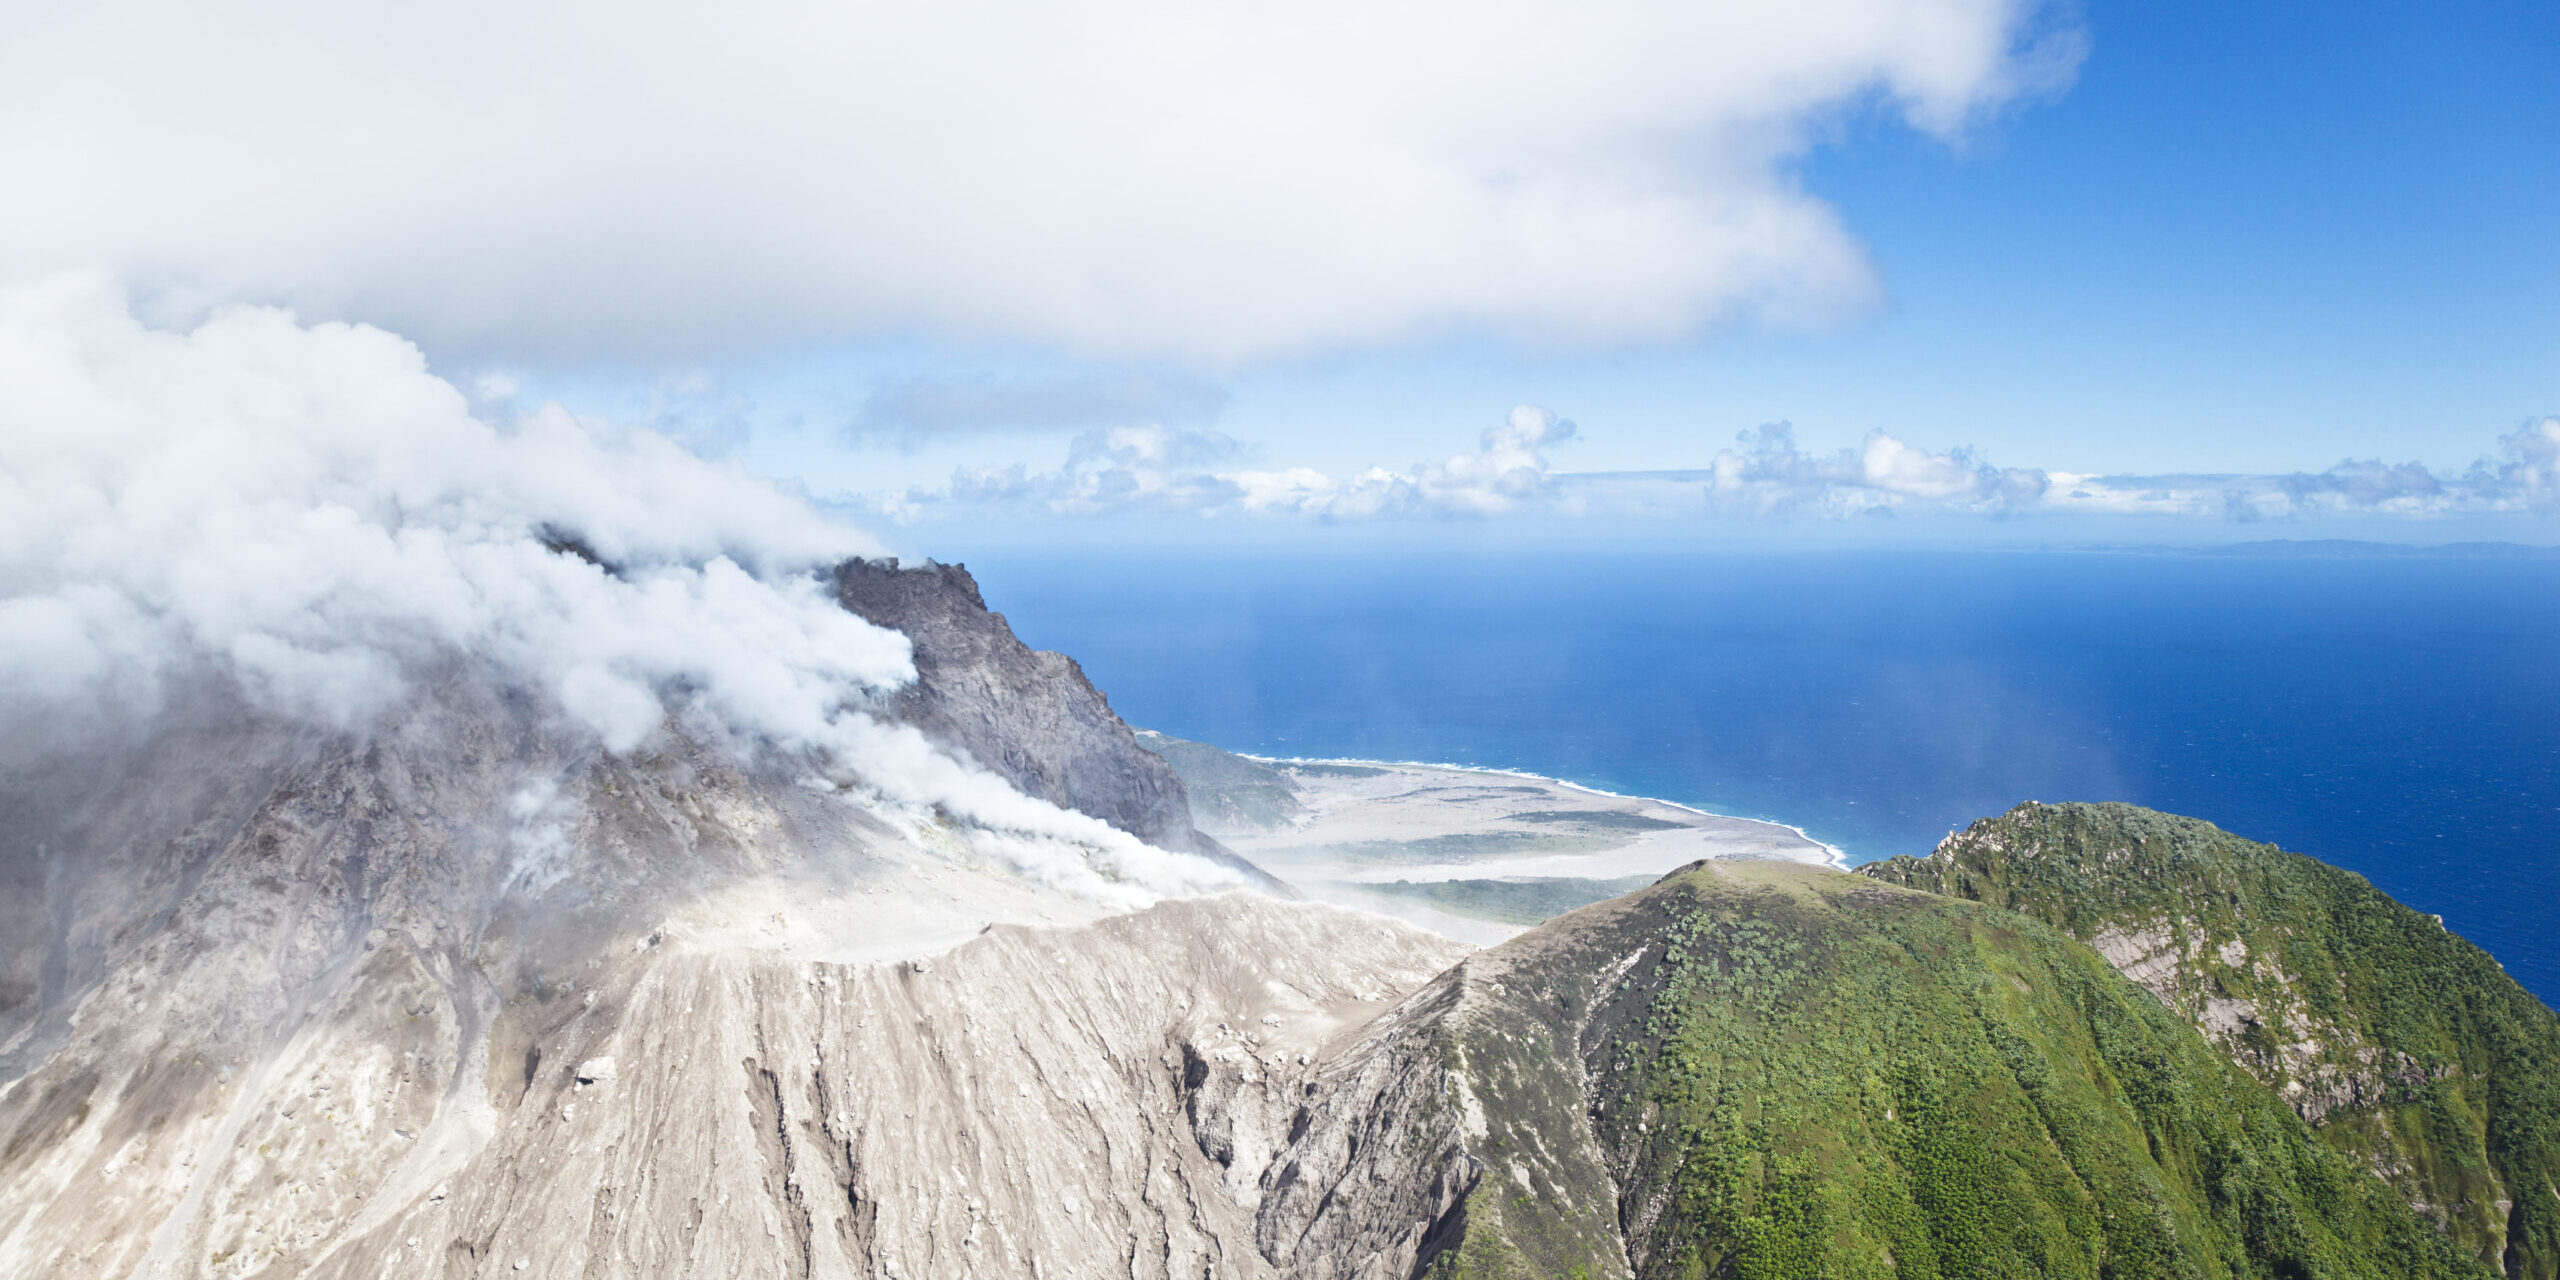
{"x":2405,"y":1046}
{"x":1026,"y":714}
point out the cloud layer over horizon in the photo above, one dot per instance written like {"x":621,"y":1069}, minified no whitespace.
{"x":1215,"y":181}
{"x":1763,"y":475}
{"x":1179,"y":471}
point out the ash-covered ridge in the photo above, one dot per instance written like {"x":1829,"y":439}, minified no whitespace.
{"x":283,"y":999}
{"x":1028,"y":715}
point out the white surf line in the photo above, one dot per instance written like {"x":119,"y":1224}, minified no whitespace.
{"x":1833,"y":855}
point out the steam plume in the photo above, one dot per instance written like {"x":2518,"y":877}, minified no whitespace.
{"x":310,"y":517}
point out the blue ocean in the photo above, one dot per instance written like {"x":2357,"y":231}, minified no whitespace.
{"x":2396,"y":715}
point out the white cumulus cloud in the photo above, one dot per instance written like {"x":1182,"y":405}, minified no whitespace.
{"x":1766,"y":473}
{"x":1210,"y":179}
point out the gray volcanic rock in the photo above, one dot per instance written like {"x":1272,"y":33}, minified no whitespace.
{"x":1026,"y":714}
{"x":464,"y":995}
{"x":464,"y":991}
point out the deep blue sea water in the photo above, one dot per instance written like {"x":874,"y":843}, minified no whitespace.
{"x":2396,"y":716}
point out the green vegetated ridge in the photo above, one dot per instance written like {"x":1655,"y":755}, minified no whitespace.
{"x":2407,"y":1047}
{"x":1789,"y":1071}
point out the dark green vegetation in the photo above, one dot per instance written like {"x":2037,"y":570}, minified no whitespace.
{"x":2411,"y":1051}
{"x":1227,"y":791}
{"x":1510,"y":901}
{"x":1795,"y":1072}
{"x":1314,"y":770}
{"x":1608,"y":818}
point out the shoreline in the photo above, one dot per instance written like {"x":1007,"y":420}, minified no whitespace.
{"x":1835,"y":857}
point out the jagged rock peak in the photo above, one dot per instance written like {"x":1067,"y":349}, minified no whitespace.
{"x":1029,"y":715}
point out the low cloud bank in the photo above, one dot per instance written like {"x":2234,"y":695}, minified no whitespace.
{"x":311,"y":518}
{"x":2525,"y":476}
{"x":1162,"y":469}
{"x":2521,"y":479}
{"x":1765,"y":474}
{"x":1769,"y":474}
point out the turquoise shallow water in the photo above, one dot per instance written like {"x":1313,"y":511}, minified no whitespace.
{"x":2397,"y":716}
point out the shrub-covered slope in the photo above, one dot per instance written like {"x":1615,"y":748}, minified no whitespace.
{"x":1795,"y":1072}
{"x":1228,"y":792}
{"x":2407,"y":1047}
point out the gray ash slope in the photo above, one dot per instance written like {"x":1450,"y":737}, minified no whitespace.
{"x":289,"y":1001}
{"x":103,"y":846}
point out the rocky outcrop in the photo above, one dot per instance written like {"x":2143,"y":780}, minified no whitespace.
{"x":1454,"y":1133}
{"x":1026,"y":714}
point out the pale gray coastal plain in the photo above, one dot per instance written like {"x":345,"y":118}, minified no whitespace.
{"x":1473,"y":854}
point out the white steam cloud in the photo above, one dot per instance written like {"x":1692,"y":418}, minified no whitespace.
{"x":310,"y":515}
{"x":314,"y":514}
{"x":1219,"y":179}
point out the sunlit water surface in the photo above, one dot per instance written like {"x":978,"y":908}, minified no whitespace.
{"x":2396,"y":716}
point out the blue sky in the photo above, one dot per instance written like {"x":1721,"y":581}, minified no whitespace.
{"x":999,"y":259}
{"x":2255,"y":238}
{"x":2240,"y":239}
{"x":2249,"y":237}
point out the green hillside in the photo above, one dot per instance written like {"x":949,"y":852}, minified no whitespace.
{"x":2408,"y":1048}
{"x":1228,"y":792}
{"x":1795,"y":1072}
